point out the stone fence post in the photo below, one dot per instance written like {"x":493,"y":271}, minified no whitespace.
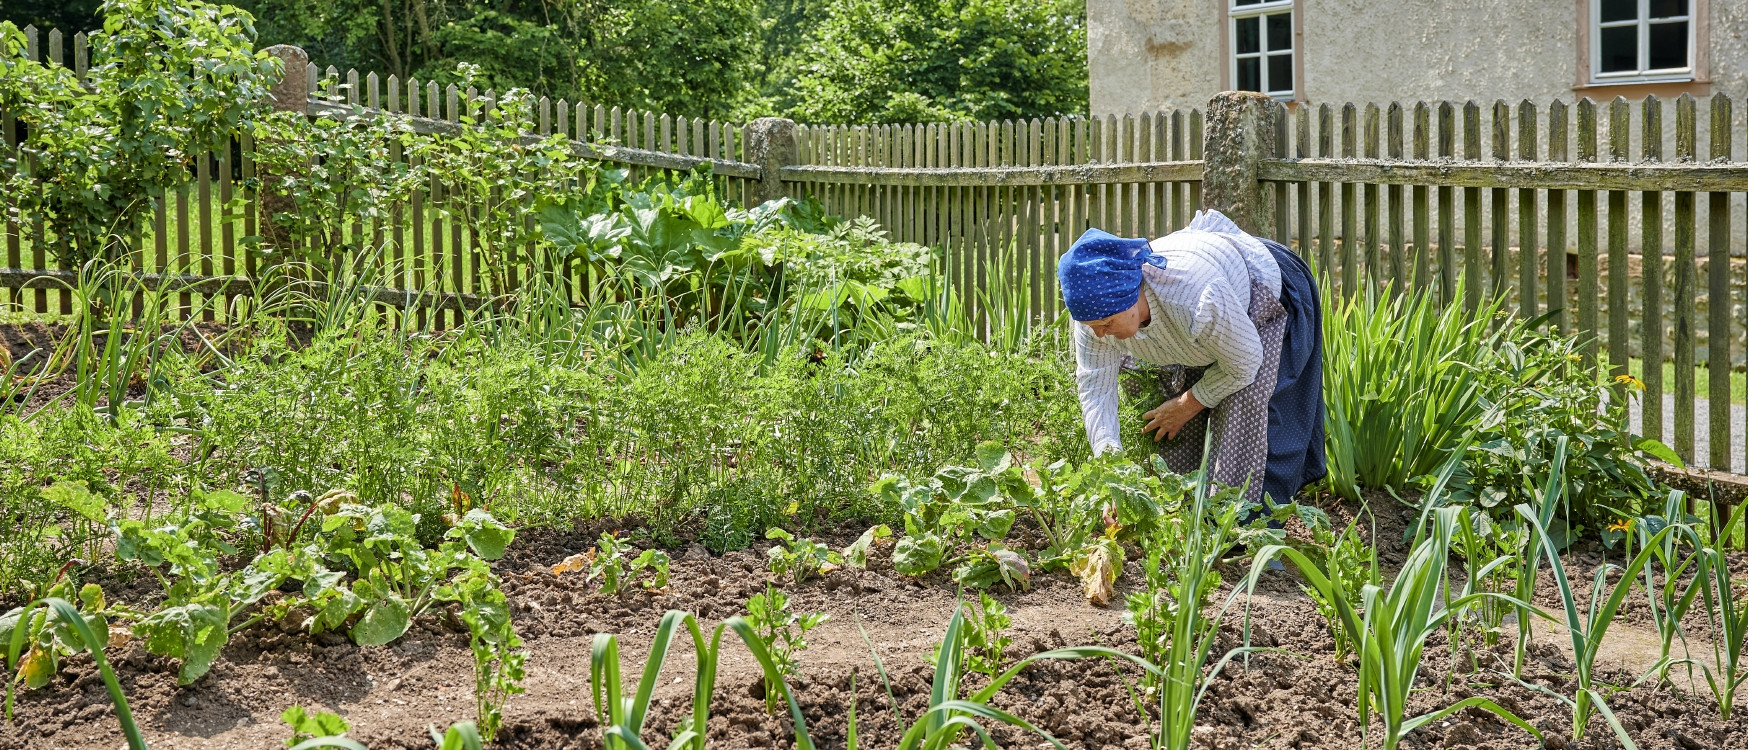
{"x":1239,"y":135}
{"x":290,"y":94}
{"x":770,"y":144}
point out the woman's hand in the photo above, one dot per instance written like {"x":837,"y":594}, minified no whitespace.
{"x":1165,"y":420}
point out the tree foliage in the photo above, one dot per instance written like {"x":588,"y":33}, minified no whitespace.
{"x":169,"y":78}
{"x":841,"y":61}
{"x":909,"y":61}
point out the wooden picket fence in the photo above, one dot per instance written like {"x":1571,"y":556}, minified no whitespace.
{"x":1589,"y":213}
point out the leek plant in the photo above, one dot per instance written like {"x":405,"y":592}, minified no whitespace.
{"x":623,"y":716}
{"x":1401,"y":384}
{"x":1527,"y":560}
{"x":1390,"y":636}
{"x":1728,"y":617}
{"x":1189,"y":633}
{"x":134,"y":347}
{"x":1587,"y":627}
{"x":948,"y":715}
{"x":1669,"y":601}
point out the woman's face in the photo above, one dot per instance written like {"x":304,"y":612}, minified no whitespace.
{"x":1123,"y":325}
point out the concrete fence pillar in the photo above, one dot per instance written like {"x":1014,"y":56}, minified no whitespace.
{"x":1240,"y":134}
{"x":770,"y":144}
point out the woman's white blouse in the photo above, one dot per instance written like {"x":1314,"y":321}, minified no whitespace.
{"x":1200,"y":304}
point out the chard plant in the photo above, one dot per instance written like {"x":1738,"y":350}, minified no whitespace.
{"x":986,"y":637}
{"x":499,"y":663}
{"x":308,"y":727}
{"x":194,"y":621}
{"x":618,"y":570}
{"x":398,"y":578}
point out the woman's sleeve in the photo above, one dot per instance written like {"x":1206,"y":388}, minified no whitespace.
{"x":1223,"y":324}
{"x":1097,"y":364}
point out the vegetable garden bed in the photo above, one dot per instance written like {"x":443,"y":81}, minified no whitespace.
{"x":1298,"y":697}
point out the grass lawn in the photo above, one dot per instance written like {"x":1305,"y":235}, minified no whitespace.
{"x":1701,"y":380}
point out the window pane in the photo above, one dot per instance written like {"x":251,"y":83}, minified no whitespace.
{"x":1281,"y":72}
{"x":1280,"y":32}
{"x":1249,"y":35}
{"x":1250,"y":74}
{"x":1668,"y":8}
{"x":1620,"y":49}
{"x":1248,"y":2}
{"x":1668,"y":45}
{"x":1619,"y":10}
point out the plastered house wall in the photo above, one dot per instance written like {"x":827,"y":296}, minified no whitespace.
{"x":1150,"y":55}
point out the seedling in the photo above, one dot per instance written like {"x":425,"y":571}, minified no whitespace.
{"x":985,"y":637}
{"x":799,"y":558}
{"x":608,"y":562}
{"x":784,"y":635}
{"x":307,"y":726}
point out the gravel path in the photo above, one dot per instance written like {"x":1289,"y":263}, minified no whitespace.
{"x":1702,"y":431}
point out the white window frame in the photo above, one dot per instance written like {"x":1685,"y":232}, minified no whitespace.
{"x":1235,"y":13}
{"x":1643,"y":23}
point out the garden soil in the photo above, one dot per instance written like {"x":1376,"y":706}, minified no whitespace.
{"x":1297,"y":697}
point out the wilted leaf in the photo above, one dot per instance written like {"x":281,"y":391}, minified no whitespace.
{"x":1097,"y":566}
{"x":856,"y":555}
{"x":37,"y":667}
{"x":573,"y":564}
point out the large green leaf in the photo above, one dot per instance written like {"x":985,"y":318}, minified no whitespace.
{"x":483,"y":534}
{"x":384,"y":620}
{"x":919,"y":554}
{"x":193,"y":633}
{"x":76,"y":496}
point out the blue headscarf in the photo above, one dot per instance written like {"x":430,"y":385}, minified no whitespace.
{"x":1101,"y":274}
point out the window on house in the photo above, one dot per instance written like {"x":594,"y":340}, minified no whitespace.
{"x":1638,"y":40}
{"x":1262,"y":46}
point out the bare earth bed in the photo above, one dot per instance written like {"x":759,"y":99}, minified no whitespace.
{"x":1298,"y":698}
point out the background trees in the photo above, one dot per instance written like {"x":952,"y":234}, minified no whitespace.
{"x":815,"y":60}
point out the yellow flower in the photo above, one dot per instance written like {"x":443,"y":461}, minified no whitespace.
{"x":1630,"y":382}
{"x":1574,"y":358}
{"x":1622,"y":525}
